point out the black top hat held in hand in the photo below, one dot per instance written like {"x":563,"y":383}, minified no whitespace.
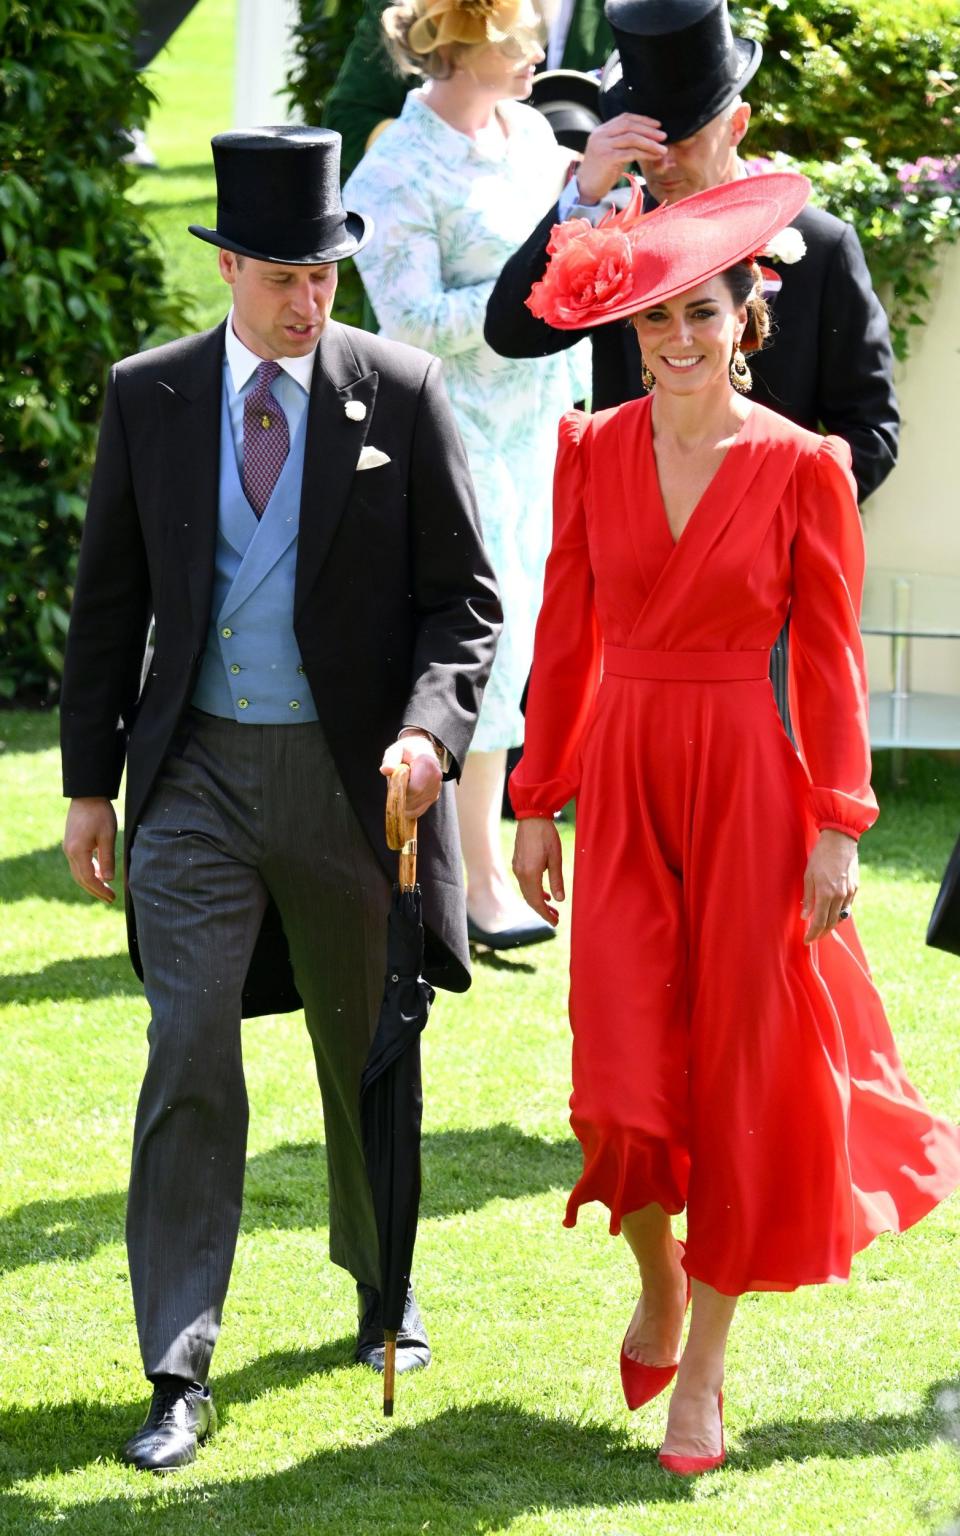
{"x":278,"y":197}
{"x":677,"y":61}
{"x":570,"y":101}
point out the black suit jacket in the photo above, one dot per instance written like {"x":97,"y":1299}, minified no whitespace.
{"x":396,"y":609}
{"x":828,"y":364}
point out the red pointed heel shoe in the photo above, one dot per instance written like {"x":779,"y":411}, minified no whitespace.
{"x":641,"y":1383}
{"x":692,"y":1466}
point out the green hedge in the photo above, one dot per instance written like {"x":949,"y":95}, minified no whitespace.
{"x":320,"y":41}
{"x":81,"y":284}
{"x":882,"y":71}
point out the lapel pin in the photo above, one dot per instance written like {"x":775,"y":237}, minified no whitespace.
{"x":355,"y":410}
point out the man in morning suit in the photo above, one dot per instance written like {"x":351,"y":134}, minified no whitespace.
{"x":289,"y":500}
{"x":672,"y":100}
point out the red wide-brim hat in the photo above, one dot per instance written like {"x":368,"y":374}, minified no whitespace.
{"x":633,"y":260}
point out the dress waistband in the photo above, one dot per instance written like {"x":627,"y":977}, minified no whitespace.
{"x":687,"y":666}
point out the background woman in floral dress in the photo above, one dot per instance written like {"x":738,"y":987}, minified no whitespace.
{"x":453,"y":187}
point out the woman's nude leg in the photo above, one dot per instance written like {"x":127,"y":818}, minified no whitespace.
{"x":492,"y":899}
{"x":693,"y":1423}
{"x":656,"y":1329}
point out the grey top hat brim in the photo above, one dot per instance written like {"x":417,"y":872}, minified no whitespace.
{"x":573,"y":85}
{"x":614,"y":97}
{"x":357,"y":231}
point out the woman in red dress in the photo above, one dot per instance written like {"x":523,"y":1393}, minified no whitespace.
{"x":731,"y":1056}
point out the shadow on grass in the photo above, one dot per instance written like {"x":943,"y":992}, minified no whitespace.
{"x":501,"y":960}
{"x":286,"y":1188}
{"x":469,"y":1469}
{"x":44,"y":873}
{"x":86,"y":977}
{"x":60,"y":1437}
{"x":28,"y":730}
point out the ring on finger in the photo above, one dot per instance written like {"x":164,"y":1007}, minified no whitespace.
{"x":843,"y":914}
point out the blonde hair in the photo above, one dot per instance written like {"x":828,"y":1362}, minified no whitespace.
{"x":397,"y":21}
{"x":427,"y":37}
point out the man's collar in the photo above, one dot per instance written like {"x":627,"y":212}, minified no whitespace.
{"x":243,"y":363}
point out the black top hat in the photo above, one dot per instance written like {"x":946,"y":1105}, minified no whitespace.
{"x":278,"y":197}
{"x":677,"y":61}
{"x":570,"y":102}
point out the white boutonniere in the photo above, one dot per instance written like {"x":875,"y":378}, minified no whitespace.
{"x":789,"y":246}
{"x":355,"y":410}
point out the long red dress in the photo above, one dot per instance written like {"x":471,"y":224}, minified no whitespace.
{"x":718,"y":1063}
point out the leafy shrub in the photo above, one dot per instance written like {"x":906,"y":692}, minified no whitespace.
{"x":902,"y":212}
{"x":864,"y":99}
{"x":884,"y":72}
{"x":320,"y":41}
{"x":80,"y":286}
{"x":39,"y":539}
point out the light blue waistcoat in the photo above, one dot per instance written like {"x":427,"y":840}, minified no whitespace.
{"x":252,"y":671}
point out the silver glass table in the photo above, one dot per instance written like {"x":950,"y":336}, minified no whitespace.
{"x":911,"y":606}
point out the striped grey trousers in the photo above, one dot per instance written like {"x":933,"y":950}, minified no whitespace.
{"x":242,"y":813}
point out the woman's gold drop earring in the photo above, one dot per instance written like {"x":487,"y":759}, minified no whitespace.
{"x":740,"y":376}
{"x":648,"y":379}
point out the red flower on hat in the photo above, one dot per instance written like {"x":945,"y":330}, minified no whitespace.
{"x":589,"y":268}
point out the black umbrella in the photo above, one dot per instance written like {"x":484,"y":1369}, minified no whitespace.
{"x":391,"y":1097}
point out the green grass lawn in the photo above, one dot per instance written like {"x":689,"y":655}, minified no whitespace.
{"x":836,"y":1424}
{"x":833,"y":1418}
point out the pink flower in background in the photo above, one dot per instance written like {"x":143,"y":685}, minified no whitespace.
{"x":759,"y":165}
{"x":943,"y":173}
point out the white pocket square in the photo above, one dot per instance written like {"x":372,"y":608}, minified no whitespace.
{"x":372,"y":458}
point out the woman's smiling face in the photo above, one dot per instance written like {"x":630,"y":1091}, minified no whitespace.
{"x":687,"y":342}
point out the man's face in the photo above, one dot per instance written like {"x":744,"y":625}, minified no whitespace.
{"x":707,"y":159}
{"x":278,"y":311}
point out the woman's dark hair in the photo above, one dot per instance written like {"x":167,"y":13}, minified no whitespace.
{"x":745,"y":286}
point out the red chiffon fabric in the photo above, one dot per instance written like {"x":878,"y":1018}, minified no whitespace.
{"x":718,"y":1063}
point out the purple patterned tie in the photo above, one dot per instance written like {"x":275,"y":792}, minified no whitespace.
{"x":266,"y":439}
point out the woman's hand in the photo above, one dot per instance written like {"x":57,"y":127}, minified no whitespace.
{"x":830,"y":883}
{"x":536,"y":851}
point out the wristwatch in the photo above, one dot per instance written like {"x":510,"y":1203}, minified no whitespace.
{"x":443,"y":756}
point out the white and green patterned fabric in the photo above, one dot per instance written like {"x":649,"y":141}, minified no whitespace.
{"x":447,"y":213}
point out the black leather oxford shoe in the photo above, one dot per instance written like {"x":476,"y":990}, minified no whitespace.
{"x":413,"y":1350}
{"x":181,"y":1416}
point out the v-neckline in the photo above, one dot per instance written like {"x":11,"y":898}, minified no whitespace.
{"x":707,"y":492}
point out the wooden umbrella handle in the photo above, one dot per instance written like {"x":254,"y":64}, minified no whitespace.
{"x":401,"y":828}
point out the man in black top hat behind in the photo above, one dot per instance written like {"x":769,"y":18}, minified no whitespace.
{"x":672,"y":99}
{"x":289,"y":500}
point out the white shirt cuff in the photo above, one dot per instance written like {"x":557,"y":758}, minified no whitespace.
{"x":442,"y":754}
{"x":569,"y":205}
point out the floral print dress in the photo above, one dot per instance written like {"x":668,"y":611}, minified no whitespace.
{"x":448,"y":212}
